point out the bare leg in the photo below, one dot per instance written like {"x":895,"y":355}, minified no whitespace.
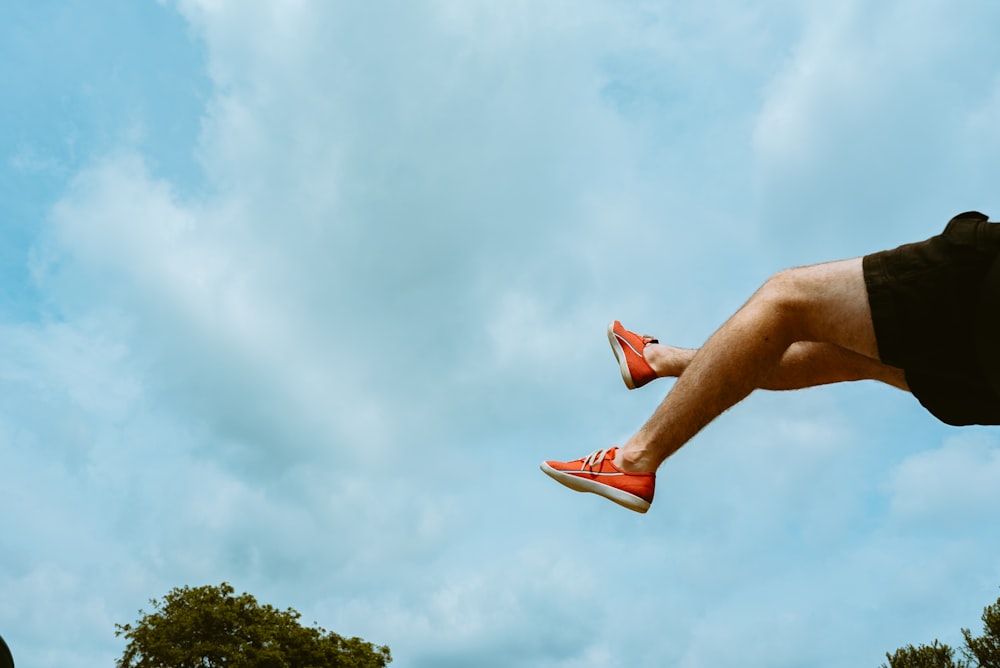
{"x":825,"y":304}
{"x":804,"y":364}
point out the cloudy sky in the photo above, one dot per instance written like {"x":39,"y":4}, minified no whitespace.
{"x":296,"y":295}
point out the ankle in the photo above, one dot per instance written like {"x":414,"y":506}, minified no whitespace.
{"x":631,"y":461}
{"x":666,"y":361}
{"x":653,"y":353}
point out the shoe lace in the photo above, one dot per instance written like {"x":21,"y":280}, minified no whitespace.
{"x":596,"y":457}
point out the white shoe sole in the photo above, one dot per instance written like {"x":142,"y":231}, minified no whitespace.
{"x":616,"y":346}
{"x":576,"y":483}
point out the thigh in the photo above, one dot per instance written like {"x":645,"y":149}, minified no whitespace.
{"x":831,"y":303}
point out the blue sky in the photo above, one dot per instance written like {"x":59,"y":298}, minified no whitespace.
{"x":298,"y":295}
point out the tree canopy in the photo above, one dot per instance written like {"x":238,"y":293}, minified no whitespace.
{"x":210,"y":627}
{"x":978,"y":651}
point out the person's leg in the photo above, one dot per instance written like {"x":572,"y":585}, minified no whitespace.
{"x":804,"y":364}
{"x":825,"y":304}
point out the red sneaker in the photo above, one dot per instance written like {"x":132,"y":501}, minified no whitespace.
{"x":628,"y":347}
{"x":597,"y":473}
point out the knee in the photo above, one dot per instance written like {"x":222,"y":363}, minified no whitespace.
{"x":785,"y":296}
{"x":784,"y":289}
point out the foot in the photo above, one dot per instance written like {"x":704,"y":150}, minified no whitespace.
{"x":628,"y":347}
{"x":597,"y":473}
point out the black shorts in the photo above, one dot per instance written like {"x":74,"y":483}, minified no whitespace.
{"x":924,"y":299}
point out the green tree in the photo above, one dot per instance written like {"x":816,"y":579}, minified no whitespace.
{"x":979,"y":651}
{"x":936,"y":655}
{"x":210,"y":627}
{"x":984,"y":651}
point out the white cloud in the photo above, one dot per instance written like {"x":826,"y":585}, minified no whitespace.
{"x":870,"y":106}
{"x":956,"y":484}
{"x":821,"y":73}
{"x":200,"y":304}
{"x":327,"y":374}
